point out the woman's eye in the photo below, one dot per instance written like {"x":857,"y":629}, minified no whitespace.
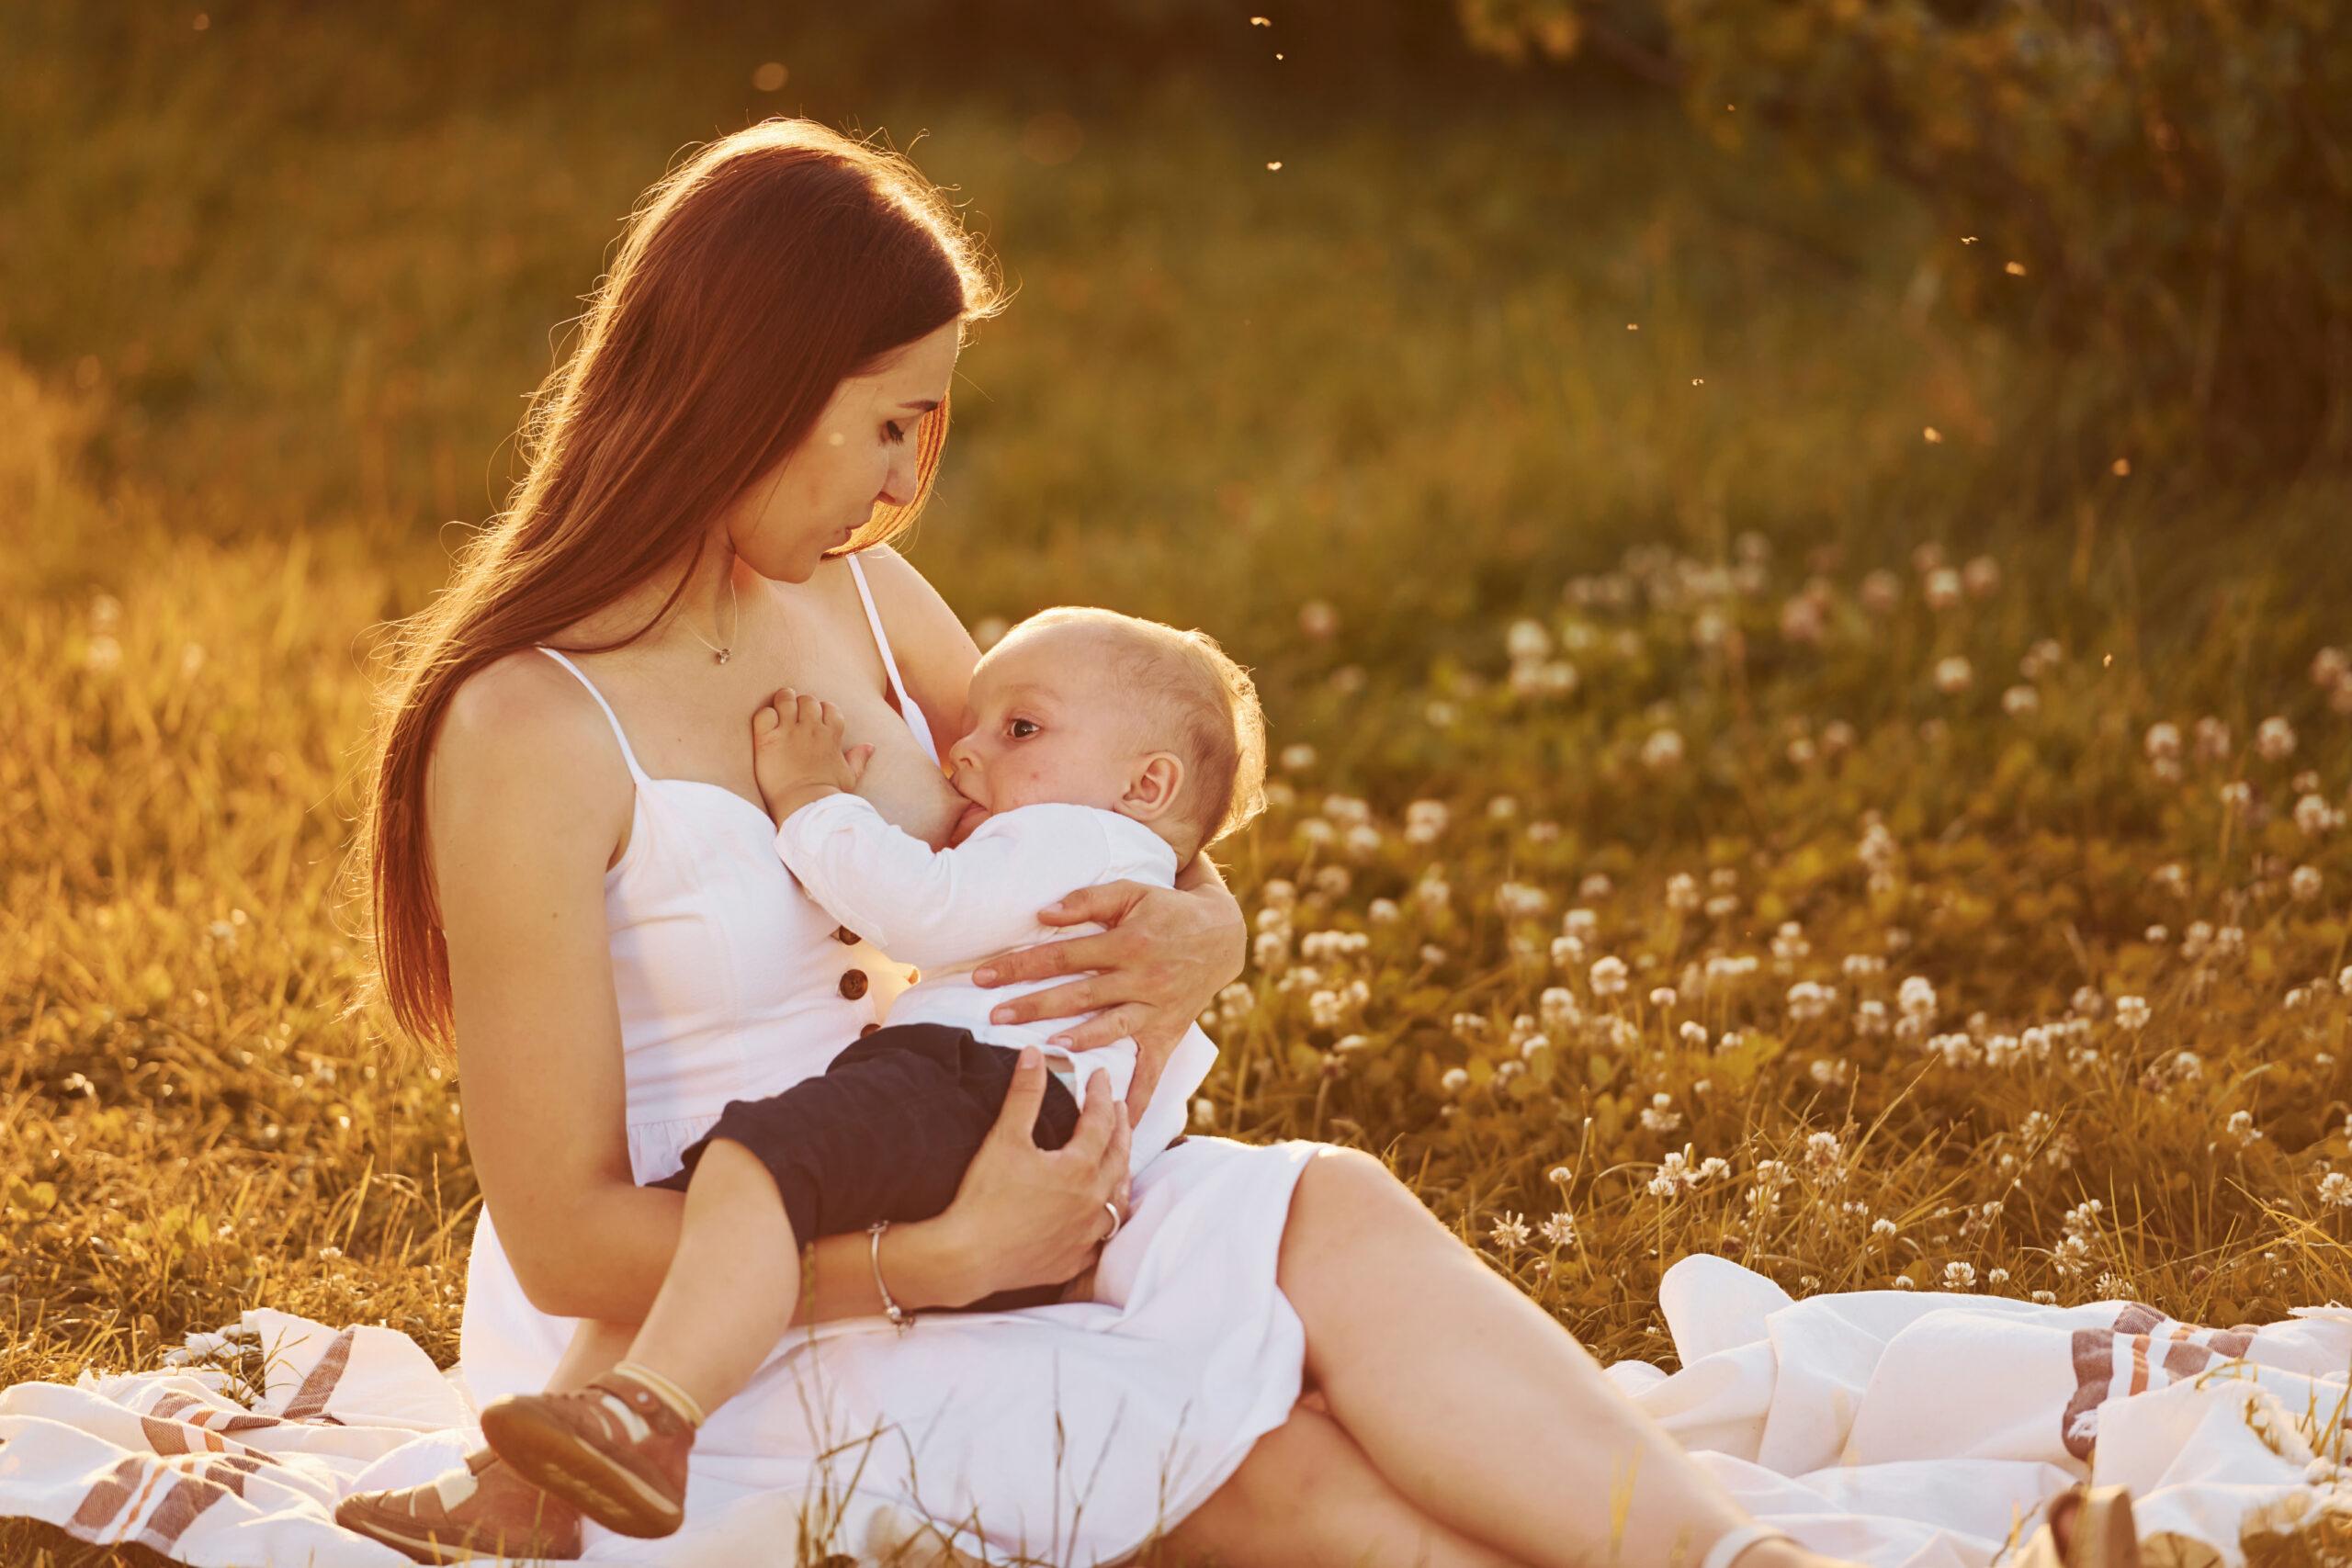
{"x":896,"y":433}
{"x":1022,"y":728}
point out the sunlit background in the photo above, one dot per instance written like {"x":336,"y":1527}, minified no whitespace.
{"x":1795,"y":549}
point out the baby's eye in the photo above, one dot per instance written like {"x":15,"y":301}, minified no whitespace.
{"x":1022,"y":728}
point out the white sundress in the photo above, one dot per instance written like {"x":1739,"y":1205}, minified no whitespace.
{"x":1068,"y":1434}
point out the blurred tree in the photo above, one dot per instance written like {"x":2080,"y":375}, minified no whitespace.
{"x":2162,"y":193}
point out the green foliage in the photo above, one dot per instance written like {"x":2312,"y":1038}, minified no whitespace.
{"x":2160,"y":196}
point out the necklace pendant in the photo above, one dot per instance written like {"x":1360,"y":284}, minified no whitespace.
{"x":719,"y":655}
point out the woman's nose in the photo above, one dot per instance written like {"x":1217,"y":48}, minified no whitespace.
{"x":898,"y":484}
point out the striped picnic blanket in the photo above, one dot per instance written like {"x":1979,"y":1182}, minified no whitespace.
{"x":1905,"y":1429}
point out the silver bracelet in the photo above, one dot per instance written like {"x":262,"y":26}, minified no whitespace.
{"x":900,"y":1318}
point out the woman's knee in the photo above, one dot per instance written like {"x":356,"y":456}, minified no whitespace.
{"x":1342,"y":1190}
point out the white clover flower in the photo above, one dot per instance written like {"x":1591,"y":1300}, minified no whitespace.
{"x":2020,"y":701}
{"x":2131,"y":1012}
{"x":1527,"y":639}
{"x":2237,"y":795}
{"x":1318,"y":619}
{"x":1954,"y":675}
{"x":1659,"y":1116}
{"x":2316,"y":817}
{"x":2305,"y":883}
{"x":1712,"y":1168}
{"x":1980,"y":577}
{"x":1580,"y":922}
{"x":1662,"y":750}
{"x":1510,"y":1232}
{"x":1454,"y":1079}
{"x":1426,"y":821}
{"x":1520,"y":900}
{"x":1205,"y":1112}
{"x":2040,"y":658}
{"x":1682,"y":893}
{"x":2162,"y":743}
{"x":1823,"y":1153}
{"x":2173,"y":877}
{"x":1363,"y":840}
{"x":1560,"y":1230}
{"x":1433,"y":893}
{"x":1942,"y":589}
{"x":2330,"y":668}
{"x":1916,"y":999}
{"x":1809,"y":1000}
{"x":2212,"y":741}
{"x":1905,"y":1282}
{"x":1383,"y":911}
{"x":1674,"y":1177}
{"x":1692,"y":1033}
{"x":1881,"y":592}
{"x":1297,"y":756}
{"x":1440,"y":713}
{"x":1802,"y":620}
{"x":2274,"y":740}
{"x":1609,"y":976}
{"x":2335,"y":1189}
{"x":1884,"y":1229}
{"x":1960,"y":1276}
{"x":1663,"y":997}
{"x":2242,"y":1130}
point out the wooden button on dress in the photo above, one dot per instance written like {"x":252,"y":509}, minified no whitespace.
{"x":846,"y":936}
{"x":867,"y":1030}
{"x":853,"y":983}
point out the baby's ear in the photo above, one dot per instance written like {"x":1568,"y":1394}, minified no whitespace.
{"x":1151,"y":790}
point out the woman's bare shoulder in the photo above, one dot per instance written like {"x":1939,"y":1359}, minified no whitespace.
{"x":524,"y":726}
{"x":924,"y":629}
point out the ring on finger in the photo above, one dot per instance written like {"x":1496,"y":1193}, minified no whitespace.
{"x":1113,"y":1210}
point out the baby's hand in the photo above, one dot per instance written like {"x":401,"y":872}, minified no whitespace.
{"x":797,"y":752}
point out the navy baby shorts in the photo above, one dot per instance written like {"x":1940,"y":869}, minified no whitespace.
{"x":885,"y":1134}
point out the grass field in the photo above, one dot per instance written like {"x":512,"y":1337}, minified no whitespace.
{"x":1713,"y":816}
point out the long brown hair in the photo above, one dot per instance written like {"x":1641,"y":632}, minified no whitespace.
{"x":751,"y":280}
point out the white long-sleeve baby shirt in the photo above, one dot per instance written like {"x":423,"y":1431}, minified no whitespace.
{"x":947,"y":911}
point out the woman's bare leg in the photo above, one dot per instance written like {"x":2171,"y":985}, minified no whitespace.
{"x":1307,"y":1497}
{"x":1473,"y":1403}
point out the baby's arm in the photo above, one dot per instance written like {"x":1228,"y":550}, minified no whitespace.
{"x":925,"y":906}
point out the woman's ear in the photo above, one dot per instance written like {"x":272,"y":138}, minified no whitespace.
{"x":1152,"y":788}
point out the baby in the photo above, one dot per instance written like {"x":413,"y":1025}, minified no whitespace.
{"x":1103,"y":747}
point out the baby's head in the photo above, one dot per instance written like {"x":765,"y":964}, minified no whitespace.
{"x":1091,"y":707}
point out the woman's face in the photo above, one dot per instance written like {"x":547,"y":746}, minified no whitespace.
{"x":860,"y":455}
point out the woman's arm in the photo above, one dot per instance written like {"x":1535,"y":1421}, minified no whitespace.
{"x":528,"y":801}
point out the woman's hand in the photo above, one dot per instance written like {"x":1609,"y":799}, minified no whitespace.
{"x":1027,"y":1216}
{"x":1165,"y":958}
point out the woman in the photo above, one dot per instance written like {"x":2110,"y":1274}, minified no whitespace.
{"x":573,"y":878}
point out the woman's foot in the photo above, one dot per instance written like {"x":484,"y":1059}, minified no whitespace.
{"x":482,"y":1510}
{"x":615,"y":1450}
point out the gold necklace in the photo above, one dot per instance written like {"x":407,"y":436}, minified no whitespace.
{"x":735,"y":623}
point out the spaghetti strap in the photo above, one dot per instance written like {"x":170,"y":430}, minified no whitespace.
{"x":610,"y":716}
{"x":907,"y":708}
